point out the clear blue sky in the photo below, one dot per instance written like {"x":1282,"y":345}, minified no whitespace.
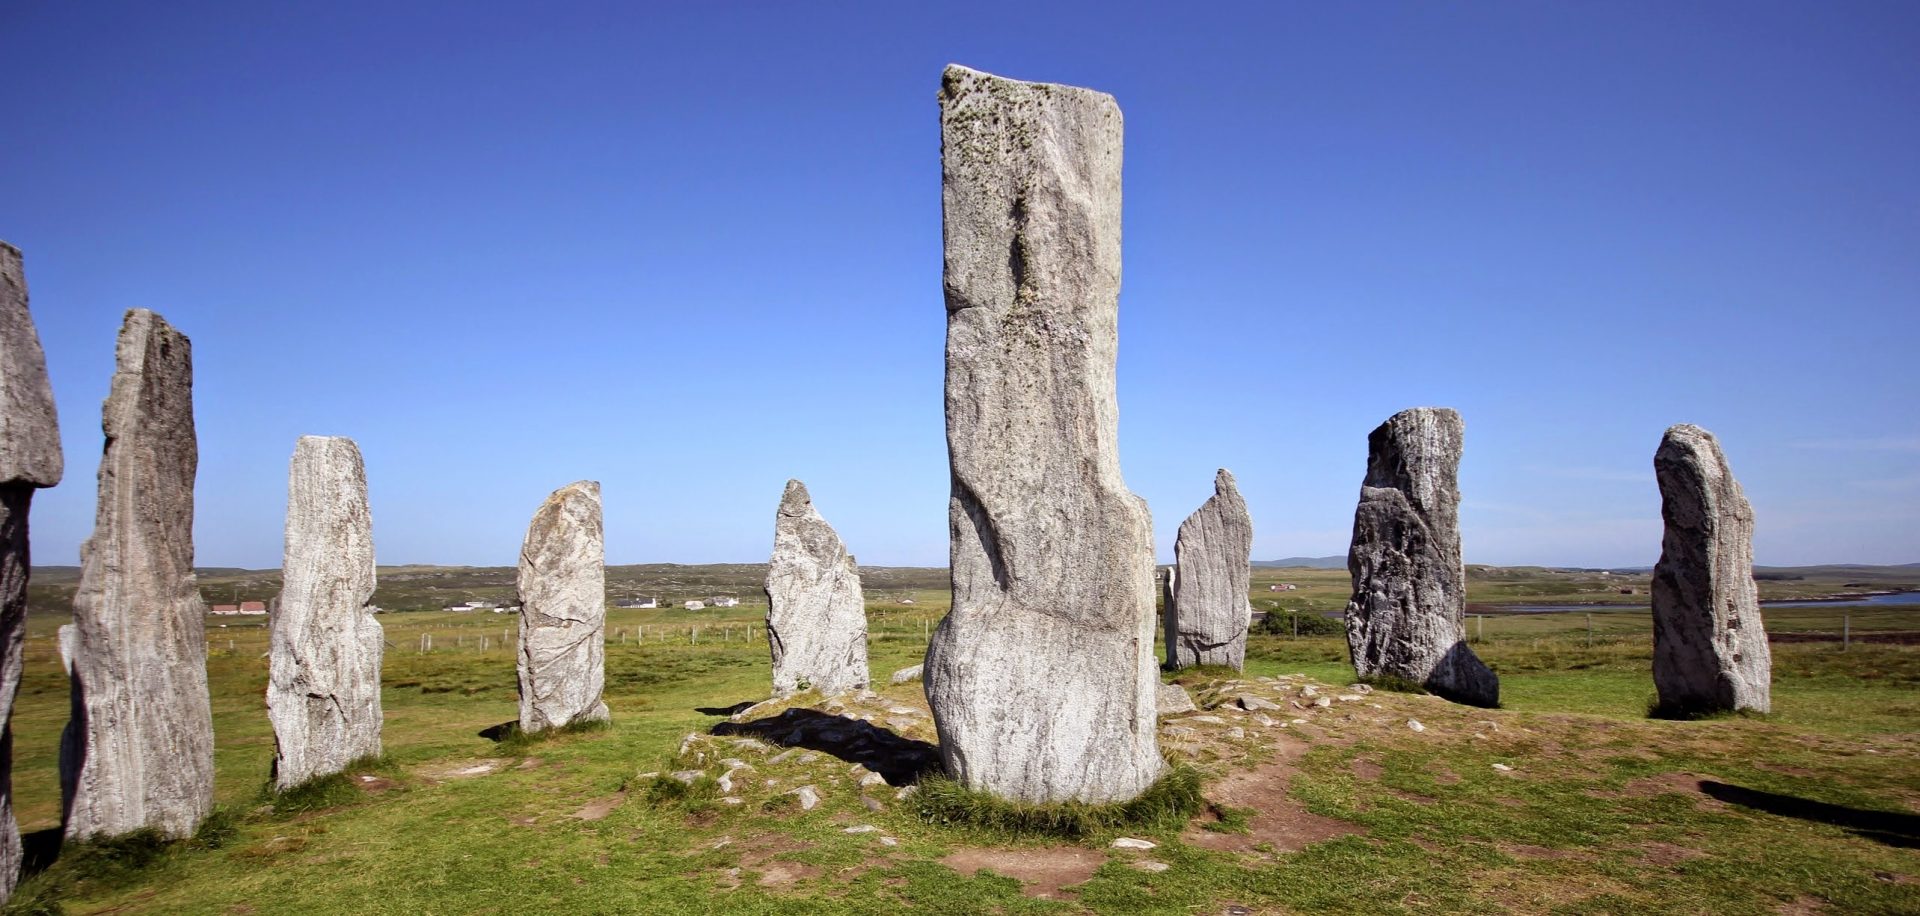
{"x":691,"y":250}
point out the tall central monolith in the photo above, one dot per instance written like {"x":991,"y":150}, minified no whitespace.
{"x":1710,"y":651}
{"x":323,"y":685}
{"x":816,"y":614}
{"x":30,"y":458}
{"x":563,"y":611}
{"x":138,"y":751}
{"x":1207,"y":614}
{"x":1406,"y":621}
{"x":1042,"y":679}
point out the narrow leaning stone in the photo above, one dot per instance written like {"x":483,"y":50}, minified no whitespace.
{"x":30,"y":458}
{"x":323,"y":687}
{"x":1710,"y":650}
{"x":1208,"y":590}
{"x":816,"y":616}
{"x":1407,"y":617}
{"x":563,"y":611}
{"x":138,"y":751}
{"x":1042,"y":679}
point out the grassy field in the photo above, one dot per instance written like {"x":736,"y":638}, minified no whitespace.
{"x":1338,"y":809}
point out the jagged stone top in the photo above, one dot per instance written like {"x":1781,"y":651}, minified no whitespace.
{"x":1226,"y":498}
{"x":1689,"y":461}
{"x":1417,"y":451}
{"x":29,"y":425}
{"x":795,"y":502}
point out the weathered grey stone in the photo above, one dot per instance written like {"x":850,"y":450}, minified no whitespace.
{"x":1042,"y":679}
{"x":563,"y":611}
{"x":816,"y":616}
{"x":906,"y":675}
{"x":30,"y":458}
{"x":1207,"y":591}
{"x":323,"y":686}
{"x":1710,"y":650}
{"x":1406,"y":619}
{"x":1172,"y":699}
{"x":138,"y":751}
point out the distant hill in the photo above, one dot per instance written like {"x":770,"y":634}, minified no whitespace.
{"x":1339,"y":562}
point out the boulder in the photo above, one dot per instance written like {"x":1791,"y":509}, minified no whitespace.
{"x":323,"y":683}
{"x":563,"y":611}
{"x":30,"y":458}
{"x":1710,"y":650}
{"x":816,"y":616}
{"x":138,"y":751}
{"x":1207,"y":588}
{"x":1172,"y":699}
{"x":1042,"y":678}
{"x":1406,"y":619}
{"x":906,"y":675}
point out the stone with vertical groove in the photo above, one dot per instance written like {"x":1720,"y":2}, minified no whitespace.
{"x":30,"y":458}
{"x":1710,"y":650}
{"x":1406,"y":620}
{"x":323,"y":685}
{"x":563,"y":611}
{"x":138,"y":751}
{"x":1208,"y":588}
{"x":1042,"y":679}
{"x":816,"y":616}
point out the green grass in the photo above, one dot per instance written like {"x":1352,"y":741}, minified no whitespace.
{"x":1168,"y":804}
{"x":1598,"y":814}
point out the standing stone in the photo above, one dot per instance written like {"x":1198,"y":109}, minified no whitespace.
{"x":563,"y":611}
{"x":816,"y":616}
{"x":323,"y":689}
{"x":30,"y":458}
{"x":138,"y":751}
{"x":1207,"y":592}
{"x":1710,"y":649}
{"x":1042,"y":679}
{"x":1407,"y":617}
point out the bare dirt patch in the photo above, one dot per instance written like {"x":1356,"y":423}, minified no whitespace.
{"x":1666,"y":855}
{"x":1277,"y":819}
{"x":1366,"y":769}
{"x":1525,"y":851}
{"x":600,"y":807}
{"x":1042,"y":872}
{"x":1802,"y":905}
{"x":1687,"y":784}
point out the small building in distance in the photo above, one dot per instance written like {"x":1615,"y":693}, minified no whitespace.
{"x":467,"y":607}
{"x":1283,"y":587}
{"x":724,"y":602}
{"x":637,"y":603}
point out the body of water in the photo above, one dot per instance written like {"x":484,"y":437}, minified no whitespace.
{"x":1901,"y":598}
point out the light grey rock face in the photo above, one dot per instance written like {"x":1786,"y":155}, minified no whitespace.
{"x":1042,"y":678}
{"x":1710,"y":649}
{"x":138,"y":751}
{"x":29,"y":427}
{"x":30,"y":458}
{"x":323,"y":687}
{"x":1208,"y":590}
{"x":1406,"y":619}
{"x":816,"y":616}
{"x":1172,"y":699}
{"x":563,"y":611}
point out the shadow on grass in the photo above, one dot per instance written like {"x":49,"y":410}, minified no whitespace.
{"x":508,"y":738}
{"x":739,"y":707}
{"x":1166,"y":805}
{"x":899,"y":760}
{"x":1887,"y":827}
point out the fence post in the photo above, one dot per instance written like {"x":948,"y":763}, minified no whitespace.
{"x":1480,"y":627}
{"x":1846,"y":630}
{"x":1589,"y":631}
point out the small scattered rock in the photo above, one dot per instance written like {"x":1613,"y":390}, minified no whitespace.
{"x":1252,"y":703}
{"x":1503,"y":768}
{"x":1415,"y":725}
{"x":1172,"y":699}
{"x":1150,"y":866}
{"x":1323,"y":702}
{"x":862,"y":828}
{"x":1127,"y":842}
{"x":808,"y":795}
{"x":889,"y":841}
{"x":906,"y":675}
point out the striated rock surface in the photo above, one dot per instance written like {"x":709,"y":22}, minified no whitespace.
{"x":1042,"y":679}
{"x":138,"y":751}
{"x":323,"y":687}
{"x":816,"y":616}
{"x":30,"y":458}
{"x":1406,"y":619}
{"x":1207,"y":592}
{"x":1710,"y":650}
{"x":563,"y":611}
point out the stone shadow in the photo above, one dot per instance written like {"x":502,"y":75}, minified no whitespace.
{"x":736,"y":708}
{"x":1889,"y":827}
{"x":899,"y":760}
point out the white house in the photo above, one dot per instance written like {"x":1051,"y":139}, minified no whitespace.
{"x":725,"y":602}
